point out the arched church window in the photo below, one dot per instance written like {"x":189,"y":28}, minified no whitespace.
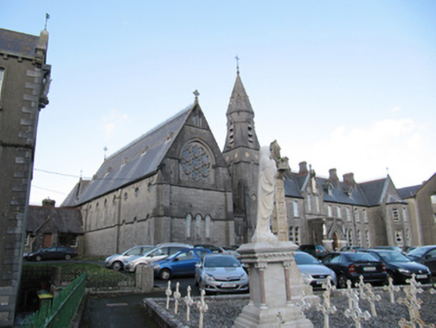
{"x":207,"y":224}
{"x":188,"y":226}
{"x":198,"y":226}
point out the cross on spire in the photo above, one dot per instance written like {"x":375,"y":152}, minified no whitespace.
{"x":196,"y":94}
{"x":47,"y":16}
{"x":237,"y":64}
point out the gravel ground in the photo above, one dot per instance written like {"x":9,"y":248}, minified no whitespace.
{"x":223,"y":311}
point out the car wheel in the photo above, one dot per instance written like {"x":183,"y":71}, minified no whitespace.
{"x":38,"y":258}
{"x":117,"y":265}
{"x":342,"y":281}
{"x":67,"y":257}
{"x":165,"y":274}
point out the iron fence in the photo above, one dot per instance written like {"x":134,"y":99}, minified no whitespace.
{"x":61,"y":311}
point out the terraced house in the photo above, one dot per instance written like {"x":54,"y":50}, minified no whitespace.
{"x":174,"y":184}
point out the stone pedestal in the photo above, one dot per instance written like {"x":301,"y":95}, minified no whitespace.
{"x":276,"y":287}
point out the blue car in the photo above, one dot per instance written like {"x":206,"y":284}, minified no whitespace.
{"x":180,"y":264}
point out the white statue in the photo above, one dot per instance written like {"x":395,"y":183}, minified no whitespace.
{"x":265,"y":197}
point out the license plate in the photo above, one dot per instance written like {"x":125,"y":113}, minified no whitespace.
{"x":320,"y":281}
{"x":421,"y":276}
{"x":228,"y":285}
{"x":369,"y":269}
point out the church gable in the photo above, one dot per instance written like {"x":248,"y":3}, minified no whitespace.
{"x":194,"y":158}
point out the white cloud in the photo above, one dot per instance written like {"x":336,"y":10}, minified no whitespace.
{"x":395,"y":109}
{"x":401,"y":145}
{"x":113,"y":123}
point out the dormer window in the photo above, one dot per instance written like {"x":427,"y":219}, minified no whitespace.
{"x":328,"y":187}
{"x":348,"y":190}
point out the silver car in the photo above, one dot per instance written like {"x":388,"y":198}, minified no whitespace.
{"x":221,"y":273}
{"x":116,"y":261}
{"x":312,"y":271}
{"x":160,"y":252}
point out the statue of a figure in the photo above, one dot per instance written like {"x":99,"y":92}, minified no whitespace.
{"x":265,"y":197}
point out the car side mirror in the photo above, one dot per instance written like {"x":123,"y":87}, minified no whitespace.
{"x":428,"y":256}
{"x":176,"y":259}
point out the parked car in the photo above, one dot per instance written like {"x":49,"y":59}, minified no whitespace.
{"x":179,"y":264}
{"x":160,"y":252}
{"x":317,"y":251}
{"x":390,"y":248}
{"x":351,"y":248}
{"x":312,"y":271}
{"x":214,"y":249}
{"x":425,"y":255}
{"x":350,"y":266}
{"x":116,"y":261}
{"x":400,"y":267}
{"x":53,"y":253}
{"x":221,"y":273}
{"x":408,"y":249}
{"x":232,"y":250}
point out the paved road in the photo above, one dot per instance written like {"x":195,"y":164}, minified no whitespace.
{"x":127,"y":310}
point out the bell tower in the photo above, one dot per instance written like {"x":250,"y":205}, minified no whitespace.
{"x":241,"y":152}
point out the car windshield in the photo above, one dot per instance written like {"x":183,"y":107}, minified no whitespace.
{"x":418,"y":251}
{"x":303,"y":258}
{"x":361,"y":257}
{"x":393,"y":257}
{"x":221,"y":261}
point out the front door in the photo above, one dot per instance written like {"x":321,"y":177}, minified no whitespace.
{"x":335,"y":244}
{"x":46,"y":242}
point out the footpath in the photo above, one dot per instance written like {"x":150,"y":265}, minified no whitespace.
{"x":116,"y":310}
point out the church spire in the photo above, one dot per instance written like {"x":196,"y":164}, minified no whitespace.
{"x":240,"y":119}
{"x":239,"y":101}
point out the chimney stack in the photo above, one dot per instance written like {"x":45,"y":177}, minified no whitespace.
{"x":48,"y":203}
{"x":303,"y":168}
{"x":349,"y":179}
{"x":333,"y":177}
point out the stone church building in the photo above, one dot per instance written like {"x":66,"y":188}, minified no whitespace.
{"x":174,"y":184}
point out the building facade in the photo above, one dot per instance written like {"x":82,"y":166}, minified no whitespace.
{"x":173,"y":184}
{"x":24,"y":82}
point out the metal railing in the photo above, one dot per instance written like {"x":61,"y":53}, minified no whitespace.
{"x":61,"y":311}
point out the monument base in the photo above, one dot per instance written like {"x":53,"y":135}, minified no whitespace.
{"x":277,"y":290}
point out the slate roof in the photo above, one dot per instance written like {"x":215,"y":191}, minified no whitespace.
{"x":19,"y":44}
{"x":364,"y":194}
{"x":139,"y":159}
{"x":408,"y":192}
{"x":67,"y":220}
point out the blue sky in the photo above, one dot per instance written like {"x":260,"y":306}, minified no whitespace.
{"x":340,"y":84}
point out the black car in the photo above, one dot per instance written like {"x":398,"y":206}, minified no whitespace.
{"x":425,"y":255}
{"x":317,"y":251}
{"x":214,"y":249}
{"x":52,"y":253}
{"x":350,"y":266}
{"x":400,"y":267}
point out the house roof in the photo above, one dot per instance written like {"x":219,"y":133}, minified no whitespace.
{"x":408,"y":192}
{"x":67,"y":220}
{"x":139,"y":159}
{"x":369,"y":193}
{"x":18,"y":44}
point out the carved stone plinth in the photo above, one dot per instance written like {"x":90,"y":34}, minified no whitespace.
{"x":276,"y":287}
